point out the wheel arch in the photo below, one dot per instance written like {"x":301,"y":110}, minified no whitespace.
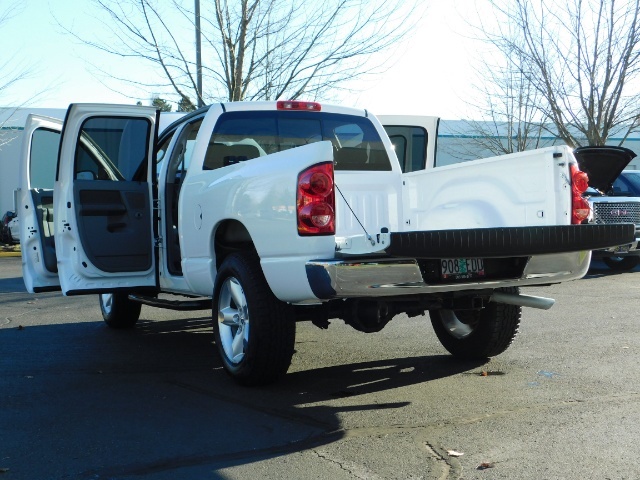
{"x":230,"y":236}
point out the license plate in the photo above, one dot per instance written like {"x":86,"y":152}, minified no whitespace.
{"x":460,"y":268}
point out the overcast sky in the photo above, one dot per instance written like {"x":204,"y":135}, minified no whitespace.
{"x":430,"y":75}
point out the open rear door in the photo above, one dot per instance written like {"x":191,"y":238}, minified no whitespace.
{"x":40,"y":143}
{"x":103,"y":200}
{"x":414,"y":139}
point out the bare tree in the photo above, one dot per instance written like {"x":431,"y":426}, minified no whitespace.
{"x":505,"y":106}
{"x":255,"y":49}
{"x":580,"y":58}
{"x":509,"y":120}
{"x":12,"y":71}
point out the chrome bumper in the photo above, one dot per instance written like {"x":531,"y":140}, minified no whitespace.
{"x":621,"y":250}
{"x":345,"y":278}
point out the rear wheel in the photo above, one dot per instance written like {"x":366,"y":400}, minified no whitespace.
{"x":478,"y":334}
{"x":118,"y":311}
{"x":621,"y":263}
{"x":254,"y":331}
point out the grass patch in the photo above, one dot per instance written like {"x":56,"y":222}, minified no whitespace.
{"x":6,"y":248}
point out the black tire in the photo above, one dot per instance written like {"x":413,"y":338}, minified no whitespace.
{"x":261,"y":354}
{"x":118,"y":311}
{"x":478,"y":334}
{"x":621,"y":263}
{"x":5,"y":236}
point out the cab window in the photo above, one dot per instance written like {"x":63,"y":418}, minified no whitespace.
{"x":242,"y":136}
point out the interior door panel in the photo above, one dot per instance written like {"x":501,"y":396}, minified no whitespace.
{"x":114,"y":222}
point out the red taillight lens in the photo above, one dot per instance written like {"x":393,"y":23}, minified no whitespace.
{"x":318,"y":183}
{"x":297,"y":105}
{"x":316,"y":201}
{"x":579,"y":180}
{"x":580,"y":208}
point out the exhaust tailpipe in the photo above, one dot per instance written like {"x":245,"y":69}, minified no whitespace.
{"x":542,"y":303}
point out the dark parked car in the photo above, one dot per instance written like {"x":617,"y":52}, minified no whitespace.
{"x":614,"y":197}
{"x":627,"y":184}
{"x":5,"y":231}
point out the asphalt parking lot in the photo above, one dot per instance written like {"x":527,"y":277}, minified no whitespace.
{"x":81,"y":401}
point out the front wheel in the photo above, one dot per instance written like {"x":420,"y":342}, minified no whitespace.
{"x":118,"y":311}
{"x":621,"y":263}
{"x":254,"y":331}
{"x":477,"y":334}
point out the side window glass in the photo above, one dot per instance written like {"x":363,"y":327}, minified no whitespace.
{"x":44,"y":157}
{"x":399,"y":143}
{"x":418,"y":148}
{"x":111,"y":148}
{"x":619,"y":187}
{"x":183,"y":151}
{"x":162,"y":150}
{"x":410,"y":144}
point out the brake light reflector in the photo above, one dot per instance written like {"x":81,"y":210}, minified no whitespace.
{"x":580,"y":208}
{"x":298,"y":105}
{"x":315,"y":203}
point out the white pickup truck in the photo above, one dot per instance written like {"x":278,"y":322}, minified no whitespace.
{"x":277,"y":212}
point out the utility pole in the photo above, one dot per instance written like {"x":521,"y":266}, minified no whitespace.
{"x":198,"y":56}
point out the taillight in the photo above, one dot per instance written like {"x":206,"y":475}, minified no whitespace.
{"x":580,"y":208}
{"x":298,"y":105}
{"x":315,"y":203}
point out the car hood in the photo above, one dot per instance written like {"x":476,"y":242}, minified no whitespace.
{"x":603,"y":164}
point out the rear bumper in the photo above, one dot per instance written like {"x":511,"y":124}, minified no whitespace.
{"x":548,"y":255}
{"x":626,"y":250}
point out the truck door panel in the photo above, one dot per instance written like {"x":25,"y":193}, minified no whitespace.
{"x":35,"y":203}
{"x":103,"y":199}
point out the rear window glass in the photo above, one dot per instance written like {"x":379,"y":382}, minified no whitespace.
{"x":241,"y":136}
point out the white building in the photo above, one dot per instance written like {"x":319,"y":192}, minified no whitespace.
{"x":12,"y":122}
{"x":456,"y":143}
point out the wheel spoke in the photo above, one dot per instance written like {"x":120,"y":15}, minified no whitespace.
{"x":237,"y":294}
{"x":232,"y":320}
{"x":107,"y":301}
{"x":237,"y":346}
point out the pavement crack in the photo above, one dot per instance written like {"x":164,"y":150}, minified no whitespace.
{"x":357,"y":471}
{"x":441,"y":460}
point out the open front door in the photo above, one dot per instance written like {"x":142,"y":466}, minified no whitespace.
{"x":103,"y":199}
{"x":40,"y":143}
